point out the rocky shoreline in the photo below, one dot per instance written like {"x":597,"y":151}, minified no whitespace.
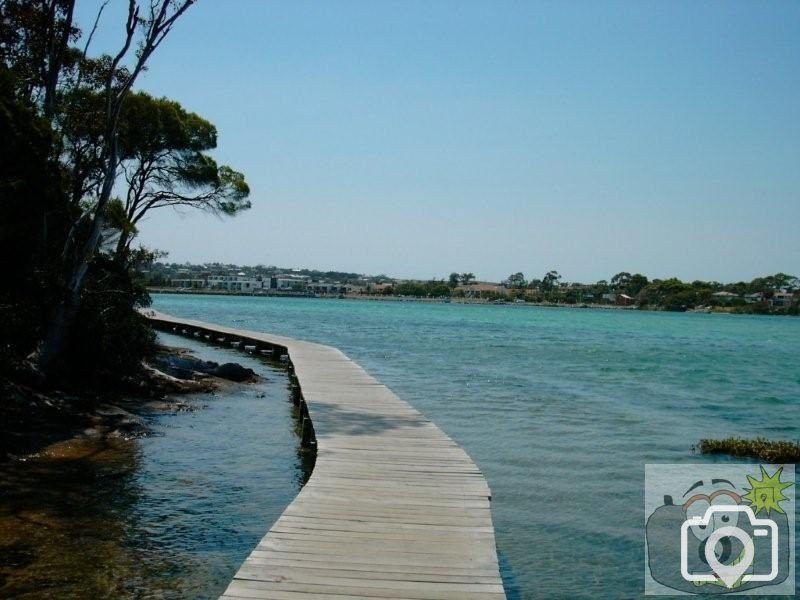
{"x":72,"y":424}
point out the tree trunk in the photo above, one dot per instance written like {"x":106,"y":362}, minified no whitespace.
{"x":58,"y":42}
{"x":67,"y":309}
{"x":122,"y":247}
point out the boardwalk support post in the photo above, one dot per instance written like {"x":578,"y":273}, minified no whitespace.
{"x":307,"y":433}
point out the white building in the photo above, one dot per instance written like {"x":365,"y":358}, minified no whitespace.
{"x":235,"y":283}
{"x":781,"y":299}
{"x":188,"y":283}
{"x":753,"y":298}
{"x":289,"y":283}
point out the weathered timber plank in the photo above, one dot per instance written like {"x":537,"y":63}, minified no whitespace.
{"x":394,"y":508}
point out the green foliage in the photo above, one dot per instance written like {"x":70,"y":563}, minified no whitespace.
{"x":33,"y":221}
{"x":516,"y":280}
{"x":163,"y":151}
{"x":430,"y":289}
{"x":674,"y":294}
{"x":33,"y":47}
{"x":460,"y":278}
{"x":778,"y":281}
{"x":57,"y":130}
{"x":550,"y":281}
{"x":671,"y":294}
{"x":493,"y":296}
{"x":620,"y":280}
{"x":150,"y":126}
{"x":636,"y":284}
{"x":660,"y":294}
{"x":117,"y":218}
{"x":235,"y":200}
{"x":110,"y":337}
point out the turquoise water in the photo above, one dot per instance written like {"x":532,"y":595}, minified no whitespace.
{"x":171,"y":515}
{"x":561,"y":408}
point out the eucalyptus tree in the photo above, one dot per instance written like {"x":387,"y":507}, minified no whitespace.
{"x":147,"y":25}
{"x":164,"y":163}
{"x":550,"y":280}
{"x":636,"y":284}
{"x":516,"y":280}
{"x":80,"y":125}
{"x":34,"y":45}
{"x":620,"y":280}
{"x":550,"y":283}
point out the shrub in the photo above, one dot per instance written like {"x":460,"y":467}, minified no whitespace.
{"x":110,"y":337}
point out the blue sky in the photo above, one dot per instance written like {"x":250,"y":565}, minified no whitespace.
{"x":420,"y":138}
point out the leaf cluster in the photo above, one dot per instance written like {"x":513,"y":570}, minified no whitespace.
{"x":71,"y":132}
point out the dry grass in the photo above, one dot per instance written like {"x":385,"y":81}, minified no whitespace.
{"x":760,"y":448}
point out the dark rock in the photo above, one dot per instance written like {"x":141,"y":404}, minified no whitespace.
{"x":121,"y":420}
{"x":26,"y":373}
{"x":234,"y":372}
{"x":184,"y":366}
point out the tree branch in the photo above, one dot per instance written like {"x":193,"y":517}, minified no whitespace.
{"x":94,"y":28}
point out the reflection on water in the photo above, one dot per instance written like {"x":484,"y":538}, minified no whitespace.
{"x":171,"y":515}
{"x":59,"y":521}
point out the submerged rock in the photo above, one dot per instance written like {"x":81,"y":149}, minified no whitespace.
{"x":186,"y":367}
{"x":183,"y":366}
{"x":234,"y":372}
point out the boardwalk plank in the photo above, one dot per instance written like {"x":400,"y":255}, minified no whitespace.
{"x":394,"y":508}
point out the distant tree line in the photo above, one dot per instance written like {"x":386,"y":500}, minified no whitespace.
{"x":427,"y":289}
{"x":664,"y":294}
{"x":660,"y":294}
{"x":667,"y":294}
{"x":637,"y":289}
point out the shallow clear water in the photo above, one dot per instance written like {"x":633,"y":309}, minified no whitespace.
{"x":171,"y":515}
{"x":561,"y":408}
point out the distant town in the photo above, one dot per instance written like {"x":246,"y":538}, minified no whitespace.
{"x":779,"y":293}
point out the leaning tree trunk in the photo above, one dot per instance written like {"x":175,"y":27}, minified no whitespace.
{"x":157,"y":28}
{"x":122,"y":248}
{"x":68,"y":308}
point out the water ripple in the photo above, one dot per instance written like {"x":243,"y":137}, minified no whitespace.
{"x":560,"y":408}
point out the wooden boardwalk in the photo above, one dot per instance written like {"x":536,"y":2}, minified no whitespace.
{"x":394,"y":507}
